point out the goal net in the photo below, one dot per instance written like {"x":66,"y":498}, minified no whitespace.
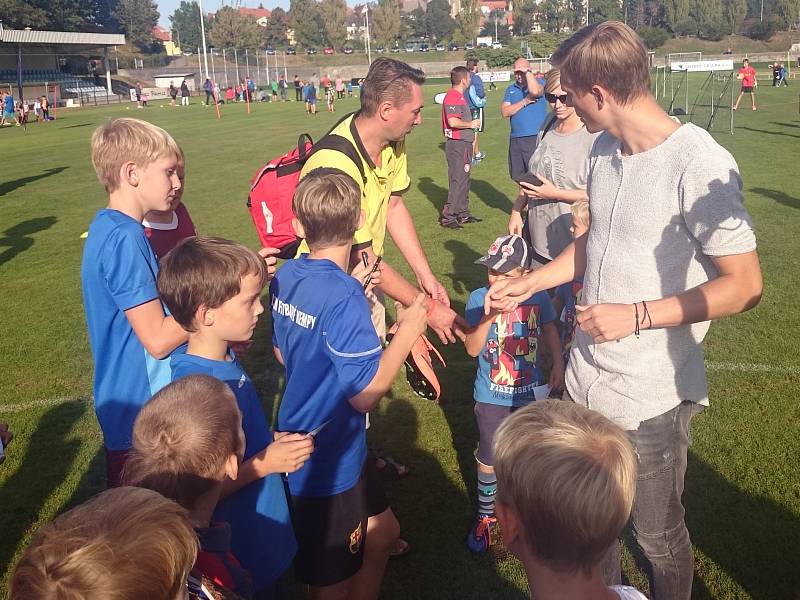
{"x":682,"y":57}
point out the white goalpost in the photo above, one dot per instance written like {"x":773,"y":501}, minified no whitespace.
{"x":682,"y":57}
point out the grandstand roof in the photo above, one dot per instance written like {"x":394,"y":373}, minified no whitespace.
{"x":30,"y":36}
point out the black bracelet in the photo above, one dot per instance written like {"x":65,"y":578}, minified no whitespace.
{"x":646,"y":315}
{"x":636,"y":331}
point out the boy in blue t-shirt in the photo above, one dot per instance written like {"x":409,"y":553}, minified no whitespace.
{"x":568,"y":295}
{"x":213,"y":288}
{"x":509,"y":367}
{"x":130,"y":335}
{"x":336,"y":372}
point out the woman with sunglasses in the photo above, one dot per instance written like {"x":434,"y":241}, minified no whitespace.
{"x":560,"y":162}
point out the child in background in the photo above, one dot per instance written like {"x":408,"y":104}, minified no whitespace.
{"x":213,"y":289}
{"x":336,"y":371}
{"x":566,"y":477}
{"x":130,"y":335}
{"x":37,"y":109}
{"x":312,"y":98}
{"x":329,"y":98}
{"x":187,"y":442}
{"x":509,"y":368}
{"x":123,"y":543}
{"x":306,"y":86}
{"x":165,"y":228}
{"x":568,"y":295}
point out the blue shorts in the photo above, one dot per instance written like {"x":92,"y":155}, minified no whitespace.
{"x":8,"y":115}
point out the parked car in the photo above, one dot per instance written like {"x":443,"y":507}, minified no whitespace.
{"x":469,"y":46}
{"x":347,"y":50}
{"x":291,"y":50}
{"x":409,"y":47}
{"x":271,"y":51}
{"x":380,"y":49}
{"x":453,"y":47}
{"x":483,"y":45}
{"x":328,"y":51}
{"x":497,"y":45}
{"x":311,"y":50}
{"x":424,"y":47}
{"x":395,"y":49}
{"x":440,"y":47}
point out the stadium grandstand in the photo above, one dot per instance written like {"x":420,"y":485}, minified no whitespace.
{"x":68,"y":67}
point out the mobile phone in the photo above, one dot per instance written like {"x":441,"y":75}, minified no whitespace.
{"x":529,"y":178}
{"x":368,"y":280}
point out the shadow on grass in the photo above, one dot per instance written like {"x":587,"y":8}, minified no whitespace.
{"x":491,"y":196}
{"x":24,"y":493}
{"x":78,"y":125}
{"x":17,"y":239}
{"x":13,"y":184}
{"x":780,"y":133}
{"x":731,"y":527}
{"x":466,"y":275}
{"x":778,"y":196}
{"x":433,"y":193}
{"x":434,"y":513}
{"x":785,"y":124}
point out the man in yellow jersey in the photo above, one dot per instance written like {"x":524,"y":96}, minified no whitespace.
{"x":391,"y":106}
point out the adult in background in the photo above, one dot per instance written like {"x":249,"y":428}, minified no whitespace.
{"x":458,"y":129}
{"x":208,"y":88}
{"x":283,"y":87}
{"x":669,"y":248}
{"x":298,"y":88}
{"x":560,"y":161}
{"x":525,"y":107}
{"x":138,"y":92}
{"x":184,"y":93}
{"x":476,"y":83}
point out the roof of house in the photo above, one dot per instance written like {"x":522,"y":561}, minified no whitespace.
{"x":256,"y":13}
{"x":161,"y":34}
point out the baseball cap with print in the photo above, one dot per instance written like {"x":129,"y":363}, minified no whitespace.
{"x":506,"y":253}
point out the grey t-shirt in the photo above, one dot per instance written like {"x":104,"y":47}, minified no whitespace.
{"x":657,"y":219}
{"x":562,"y":158}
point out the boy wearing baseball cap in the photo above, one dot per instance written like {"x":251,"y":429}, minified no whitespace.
{"x":509,"y":367}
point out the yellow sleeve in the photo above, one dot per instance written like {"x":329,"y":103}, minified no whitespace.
{"x":401,"y":179}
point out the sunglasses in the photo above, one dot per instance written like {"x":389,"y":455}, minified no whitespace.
{"x":551,"y":98}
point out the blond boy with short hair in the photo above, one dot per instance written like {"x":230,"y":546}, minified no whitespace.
{"x":130,"y":334}
{"x":123,"y":543}
{"x":651,"y":285}
{"x":187,"y":442}
{"x":566,"y":478}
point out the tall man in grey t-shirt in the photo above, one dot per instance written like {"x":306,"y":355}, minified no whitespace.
{"x":670,"y":248}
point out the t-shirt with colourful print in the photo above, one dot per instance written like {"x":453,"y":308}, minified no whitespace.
{"x":510,"y":364}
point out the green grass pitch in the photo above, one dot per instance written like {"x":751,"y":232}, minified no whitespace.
{"x":743,"y":482}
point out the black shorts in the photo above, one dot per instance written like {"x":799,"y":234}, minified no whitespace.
{"x":331,"y":530}
{"x":489,"y":417}
{"x":747,"y":89}
{"x":520,"y":150}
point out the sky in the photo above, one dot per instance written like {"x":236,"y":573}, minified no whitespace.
{"x":167,"y":7}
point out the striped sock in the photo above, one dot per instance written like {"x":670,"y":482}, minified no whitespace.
{"x":487,"y":488}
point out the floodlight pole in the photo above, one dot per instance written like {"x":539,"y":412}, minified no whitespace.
{"x":225,"y":64}
{"x":203,"y":35}
{"x":366,"y":22}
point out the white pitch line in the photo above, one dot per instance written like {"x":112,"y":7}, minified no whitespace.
{"x":743,"y":367}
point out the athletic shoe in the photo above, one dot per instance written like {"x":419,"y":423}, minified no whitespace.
{"x":480,"y":156}
{"x":480,"y":537}
{"x":451,"y":224}
{"x":470,"y":219}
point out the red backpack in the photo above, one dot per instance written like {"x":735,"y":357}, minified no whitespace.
{"x":272,"y":190}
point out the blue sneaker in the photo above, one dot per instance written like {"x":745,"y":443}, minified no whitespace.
{"x":480,"y":537}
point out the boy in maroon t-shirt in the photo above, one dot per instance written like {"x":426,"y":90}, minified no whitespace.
{"x":459,"y":135}
{"x":164,"y":229}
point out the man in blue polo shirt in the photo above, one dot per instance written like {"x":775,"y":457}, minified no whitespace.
{"x":524,"y":104}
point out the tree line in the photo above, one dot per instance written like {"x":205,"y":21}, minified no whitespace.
{"x":325,"y":22}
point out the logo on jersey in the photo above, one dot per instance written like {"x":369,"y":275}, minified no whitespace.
{"x":355,"y":540}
